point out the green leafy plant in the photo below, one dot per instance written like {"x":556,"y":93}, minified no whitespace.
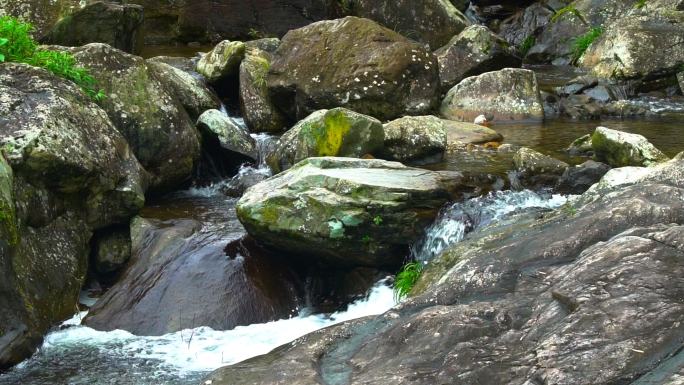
{"x":407,"y":277}
{"x":526,"y":45}
{"x":569,"y":9}
{"x":260,"y":75}
{"x":366,"y":239}
{"x":377,"y":221}
{"x":640,"y":4}
{"x":16,"y":45}
{"x":569,"y":209}
{"x":254,"y":33}
{"x":580,"y":44}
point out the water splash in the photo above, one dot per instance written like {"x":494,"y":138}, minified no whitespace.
{"x":456,"y":220}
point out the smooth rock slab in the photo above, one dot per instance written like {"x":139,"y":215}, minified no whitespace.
{"x":620,"y":149}
{"x":462,"y":132}
{"x":324,"y":209}
{"x":506,"y":95}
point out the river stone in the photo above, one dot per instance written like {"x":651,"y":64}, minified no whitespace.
{"x":506,"y":95}
{"x":217,"y":126}
{"x":172,"y":263}
{"x":474,"y":51}
{"x":269,"y":44}
{"x":112,"y":249}
{"x":433,"y":22}
{"x":581,"y":146}
{"x":120,"y":26}
{"x":576,"y":288}
{"x":71,"y":172}
{"x":324,"y":209}
{"x":145,"y":109}
{"x":415,"y":140}
{"x":462,"y":132}
{"x":352,"y":63}
{"x":620,"y":149}
{"x":576,"y":180}
{"x":637,"y":49}
{"x":337,"y":132}
{"x":525,"y":24}
{"x":222,"y":61}
{"x":191,"y":92}
{"x":537,"y":171}
{"x":255,"y":103}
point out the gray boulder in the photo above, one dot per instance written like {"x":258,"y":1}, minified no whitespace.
{"x":112,"y":250}
{"x":269,"y":44}
{"x":464,"y":133}
{"x":576,"y":180}
{"x":337,"y":132}
{"x":415,"y":140}
{"x":323,"y":209}
{"x":620,"y":149}
{"x":474,"y":51}
{"x":352,"y":63}
{"x":216,"y":126}
{"x":581,"y":146}
{"x":506,"y":95}
{"x":222,"y":61}
{"x":537,"y":171}
{"x":255,"y":103}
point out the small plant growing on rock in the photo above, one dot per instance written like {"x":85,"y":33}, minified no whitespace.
{"x":254,"y":33}
{"x":366,"y":239}
{"x":580,"y":44}
{"x":569,"y":9}
{"x":407,"y":277}
{"x":16,"y":45}
{"x":261,"y":73}
{"x":526,"y":45}
{"x":377,"y":221}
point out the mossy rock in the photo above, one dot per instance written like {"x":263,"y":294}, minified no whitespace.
{"x":415,"y":140}
{"x":620,"y":149}
{"x":222,"y":61}
{"x":257,"y":109}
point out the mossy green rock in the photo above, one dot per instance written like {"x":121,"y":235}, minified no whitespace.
{"x":191,"y":92}
{"x":324,"y":209}
{"x":337,"y":132}
{"x":222,"y":61}
{"x":415,"y":140}
{"x":147,"y":112}
{"x":474,"y":51}
{"x":257,"y":109}
{"x":217,"y":126}
{"x":511,"y":94}
{"x":620,"y":149}
{"x":120,"y":26}
{"x":353,"y":63}
{"x":433,"y":22}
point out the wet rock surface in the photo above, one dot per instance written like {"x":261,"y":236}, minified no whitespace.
{"x":356,"y":64}
{"x":575,"y":287}
{"x":255,"y":103}
{"x":415,"y":140}
{"x":216,"y":127}
{"x":537,"y":171}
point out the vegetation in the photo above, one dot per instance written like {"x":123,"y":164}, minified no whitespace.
{"x":377,"y":221}
{"x":406,"y":278}
{"x":254,"y":33}
{"x":580,"y":44}
{"x":261,"y":73}
{"x":640,"y":4}
{"x":526,"y":45}
{"x":569,"y":9}
{"x":16,"y":45}
{"x":366,"y":239}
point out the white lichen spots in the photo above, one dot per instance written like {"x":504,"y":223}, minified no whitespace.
{"x":357,"y":96}
{"x":316,"y":79}
{"x":357,"y":80}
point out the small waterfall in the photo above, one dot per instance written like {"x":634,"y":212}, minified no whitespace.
{"x":456,"y":220}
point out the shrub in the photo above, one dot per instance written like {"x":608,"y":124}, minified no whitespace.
{"x":406,"y":278}
{"x":16,"y":45}
{"x":580,"y":44}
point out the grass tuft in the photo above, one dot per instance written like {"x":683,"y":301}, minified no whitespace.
{"x":569,"y":9}
{"x":580,"y":44}
{"x":526,"y":45}
{"x":406,"y":278}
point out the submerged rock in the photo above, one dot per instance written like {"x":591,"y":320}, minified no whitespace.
{"x":474,"y":51}
{"x":352,"y":63}
{"x":506,"y":95}
{"x":120,"y":26}
{"x":415,"y":140}
{"x":537,"y":171}
{"x":325,"y":209}
{"x":620,"y":149}
{"x":336,"y":132}
{"x":575,"y":286}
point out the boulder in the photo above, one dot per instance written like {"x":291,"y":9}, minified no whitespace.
{"x":120,"y":26}
{"x":637,"y":49}
{"x":145,"y":109}
{"x":474,"y":51}
{"x":537,"y":171}
{"x":323,"y":209}
{"x":576,"y":180}
{"x":337,"y":132}
{"x":352,"y":63}
{"x":217,"y":126}
{"x":433,"y":22}
{"x":191,"y":92}
{"x":581,"y":146}
{"x":255,"y":103}
{"x":620,"y":149}
{"x":222,"y":61}
{"x":67,"y":172}
{"x":583,"y":297}
{"x":172,"y":262}
{"x":525,"y":24}
{"x":464,"y":133}
{"x":415,"y":140}
{"x":506,"y":95}
{"x":112,"y":250}
{"x":269,"y":44}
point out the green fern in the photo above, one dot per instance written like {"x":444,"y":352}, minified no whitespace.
{"x":406,"y":278}
{"x":580,"y":44}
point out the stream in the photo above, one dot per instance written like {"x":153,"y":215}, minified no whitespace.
{"x":76,"y":354}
